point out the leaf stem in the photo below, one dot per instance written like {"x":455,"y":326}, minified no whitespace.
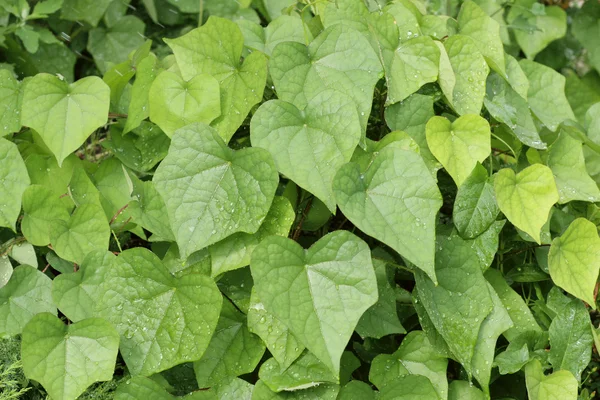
{"x":506,"y":144}
{"x":7,"y":247}
{"x":298,"y":229}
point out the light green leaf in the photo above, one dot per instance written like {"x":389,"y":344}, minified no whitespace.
{"x":23,"y":253}
{"x":64,"y":115}
{"x":408,"y":387}
{"x":475,"y":207}
{"x":546,"y":95}
{"x":10,"y":121}
{"x":40,"y":209}
{"x":27,"y":293}
{"x":175,"y":103}
{"x":333,"y":284}
{"x":565,"y":159}
{"x":146,"y":72}
{"x":527,"y":197}
{"x":560,"y":385}
{"x":163,"y":320}
{"x":115,"y":187}
{"x":14,"y":180}
{"x":459,"y":145}
{"x":485,"y":31}
{"x":513,"y":358}
{"x":321,"y":392}
{"x":309,"y":145}
{"x":6,"y":271}
{"x":463,"y":390}
{"x":242,"y":83}
{"x":44,"y":170}
{"x":357,"y":390}
{"x":85,"y":231}
{"x":66,"y":359}
{"x":90,"y":11}
{"x":285,"y":28}
{"x":586,"y":29}
{"x":149,"y":210}
{"x":233,"y":350}
{"x":305,"y":372}
{"x":231,"y":191}
{"x":396,"y":192}
{"x":76,"y":294}
{"x":406,"y":17}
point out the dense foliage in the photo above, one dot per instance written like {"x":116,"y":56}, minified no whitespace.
{"x":317,"y":199}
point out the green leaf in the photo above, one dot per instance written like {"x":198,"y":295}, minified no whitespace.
{"x":333,"y":284}
{"x":44,"y":170}
{"x":285,"y":28}
{"x":463,"y":390}
{"x":513,"y":358}
{"x":90,"y":11}
{"x":14,"y":180}
{"x":305,"y":372}
{"x":40,"y":209}
{"x":586,"y":29}
{"x":234,"y":251}
{"x":233,"y":350}
{"x":231,"y":191}
{"x":357,"y":390}
{"x":66,"y":359}
{"x":415,"y":356}
{"x":565,"y":159}
{"x":6,"y":271}
{"x":309,"y":145}
{"x":85,"y":231}
{"x":76,"y":293}
{"x":64,"y":115}
{"x":321,"y":392}
{"x":396,"y":192}
{"x":146,"y":72}
{"x":242,"y":83}
{"x":546,"y":95}
{"x":163,"y":320}
{"x":10,"y":121}
{"x":29,"y":37}
{"x":27,"y":293}
{"x":485,"y":31}
{"x":409,"y":387}
{"x":560,"y":385}
{"x":150,"y":389}
{"x":175,"y":103}
{"x":571,"y":339}
{"x":149,"y":210}
{"x":475,"y":207}
{"x":47,"y":7}
{"x":140,"y":150}
{"x":24,"y":253}
{"x":459,"y":145}
{"x":527,"y":197}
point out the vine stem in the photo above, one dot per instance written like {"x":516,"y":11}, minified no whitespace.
{"x":506,"y":144}
{"x":7,"y":247}
{"x":296,"y":234}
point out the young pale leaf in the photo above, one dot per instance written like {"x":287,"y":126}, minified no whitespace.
{"x":527,"y":197}
{"x":319,"y":293}
{"x":242,"y":83}
{"x":14,"y":180}
{"x":40,"y":209}
{"x":175,"y":103}
{"x":309,"y":145}
{"x":10,"y":120}
{"x":395,"y":200}
{"x":146,"y":72}
{"x":560,"y":385}
{"x":408,"y":387}
{"x":163,"y":320}
{"x":211,"y":191}
{"x":565,"y":159}
{"x":64,"y":114}
{"x":475,"y":207}
{"x":459,"y":145}
{"x":27,"y":293}
{"x":233,"y":349}
{"x":463,"y":390}
{"x":305,"y":372}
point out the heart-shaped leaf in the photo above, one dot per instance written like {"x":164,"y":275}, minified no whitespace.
{"x":65,"y":115}
{"x":40,"y":209}
{"x":13,"y":182}
{"x":527,"y":197}
{"x":163,"y":321}
{"x":319,"y":293}
{"x":211,"y":191}
{"x":175,"y":103}
{"x":394,"y":200}
{"x":66,"y":359}
{"x":459,"y":145}
{"x":560,"y":385}
{"x":309,"y":146}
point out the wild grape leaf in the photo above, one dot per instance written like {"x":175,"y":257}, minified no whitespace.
{"x":66,"y":359}
{"x":64,"y":114}
{"x":527,"y":197}
{"x":545,"y":28}
{"x":415,"y":356}
{"x":319,"y":293}
{"x":459,"y":145}
{"x":463,"y":72}
{"x":321,"y":392}
{"x":216,"y":49}
{"x":211,"y":191}
{"x":27,"y":293}
{"x":566,"y":160}
{"x":90,"y":11}
{"x":309,"y":145}
{"x":408,"y":387}
{"x":560,"y":385}
{"x":395,"y":195}
{"x":14,"y":180}
{"x":485,"y":32}
{"x":40,"y":209}
{"x":163,"y":320}
{"x":76,"y":294}
{"x":233,"y":349}
{"x":546,"y":95}
{"x":305,"y":372}
{"x":146,"y":71}
{"x":86,"y":230}
{"x":175,"y":103}
{"x":586,"y":29}
{"x":463,"y":390}
{"x":10,"y":120}
{"x":475,"y":207}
